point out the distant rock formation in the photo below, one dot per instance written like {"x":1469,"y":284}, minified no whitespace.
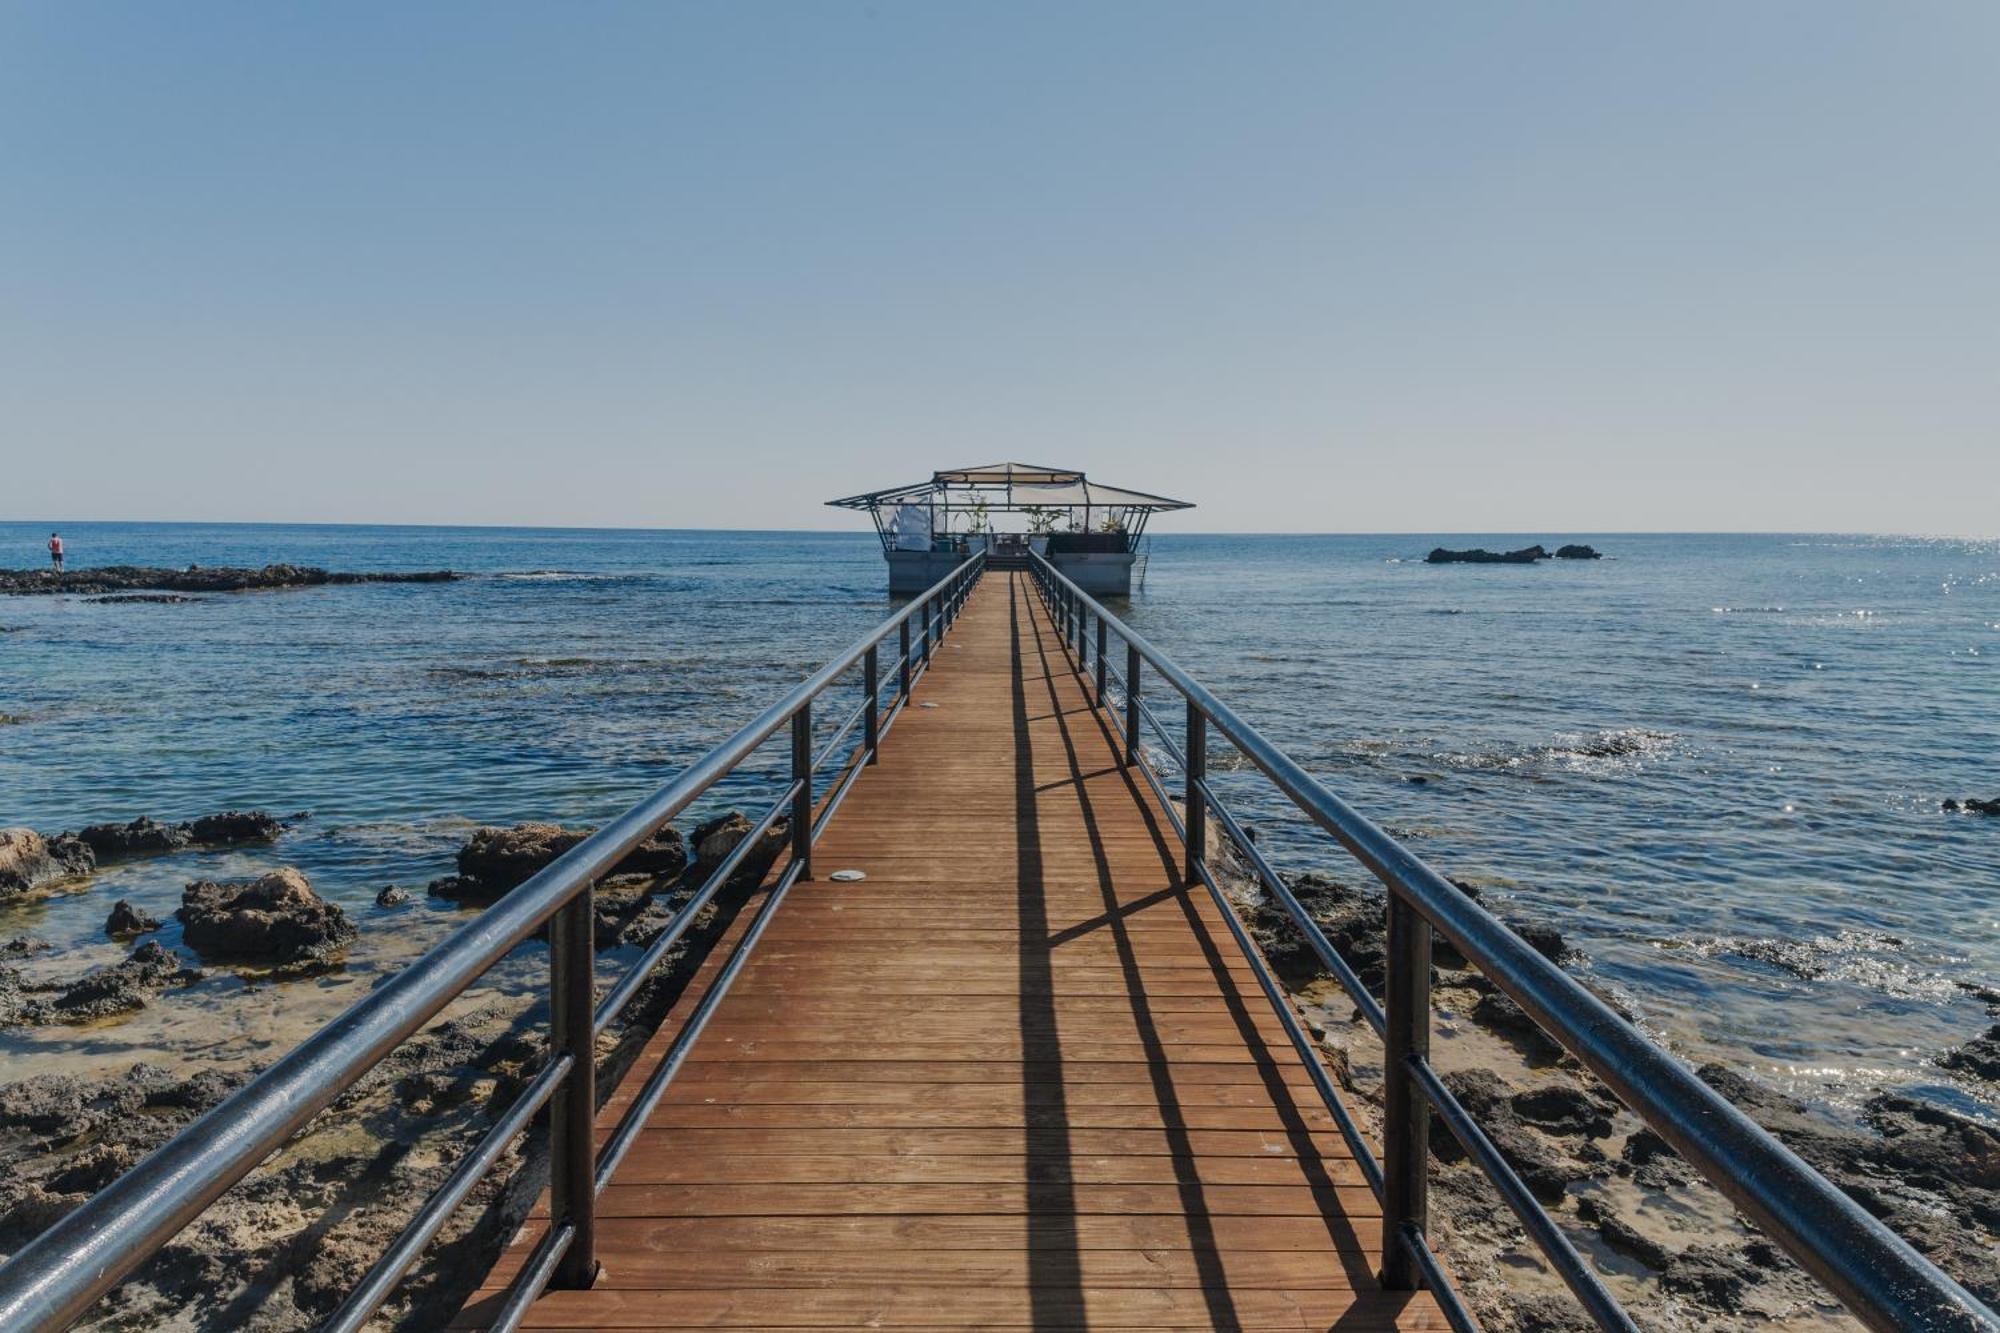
{"x":1527,"y":555}
{"x":1577,"y":552}
{"x":143,"y":579}
{"x":1975,"y":807}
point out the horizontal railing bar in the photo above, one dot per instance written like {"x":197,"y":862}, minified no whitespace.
{"x":1364,"y":1156}
{"x":833,"y":742}
{"x":856,"y":765}
{"x":533,"y":1279}
{"x":1571,"y":1267}
{"x":1872,"y":1270}
{"x":1329,"y":957}
{"x":53,"y":1279}
{"x":636,"y":1115}
{"x":1439,"y":1283}
{"x":1161,"y":734}
{"x":364,"y":1300}
{"x":635,"y":976}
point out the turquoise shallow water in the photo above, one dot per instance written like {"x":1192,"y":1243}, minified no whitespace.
{"x":1715,"y":761}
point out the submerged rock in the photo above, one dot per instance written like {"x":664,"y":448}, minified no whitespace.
{"x":392,"y":896}
{"x":123,"y":987}
{"x":275,"y":918}
{"x":126,"y":920}
{"x":1527,"y":555}
{"x":28,"y":860}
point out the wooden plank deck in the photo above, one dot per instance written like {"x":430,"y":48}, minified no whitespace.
{"x":1018,"y":1078}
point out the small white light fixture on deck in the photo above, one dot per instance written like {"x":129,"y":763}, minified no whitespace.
{"x":849,"y":876}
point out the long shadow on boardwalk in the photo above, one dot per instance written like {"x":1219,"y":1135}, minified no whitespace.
{"x":1055,"y":1266}
{"x":1346,"y":1244}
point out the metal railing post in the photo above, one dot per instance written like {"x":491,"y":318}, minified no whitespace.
{"x":1131,"y":705}
{"x":802,"y":801}
{"x":871,"y":684}
{"x":1406,"y":1113}
{"x":572,"y":1147}
{"x":903,"y":662}
{"x":1196,"y":812}
{"x":1100,"y":662}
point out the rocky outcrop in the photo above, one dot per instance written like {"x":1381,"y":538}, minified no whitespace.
{"x":496,"y":859}
{"x":28,"y":860}
{"x":1978,"y":1058}
{"x":1578,"y":552}
{"x":146,"y":836}
{"x":143,"y":579}
{"x":126,"y":921}
{"x":1527,"y":555}
{"x":273,"y":919}
{"x":1975,"y":807}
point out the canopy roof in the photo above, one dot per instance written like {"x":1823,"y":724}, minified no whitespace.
{"x":1025,"y":485}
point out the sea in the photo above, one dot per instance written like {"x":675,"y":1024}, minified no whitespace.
{"x":1717,"y":763}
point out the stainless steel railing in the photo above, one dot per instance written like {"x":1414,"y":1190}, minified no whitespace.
{"x":1874,"y":1272}
{"x":54,"y":1279}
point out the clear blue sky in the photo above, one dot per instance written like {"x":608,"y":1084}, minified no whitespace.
{"x":1322,"y":267}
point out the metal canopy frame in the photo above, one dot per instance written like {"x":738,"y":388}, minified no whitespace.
{"x":991,"y":489}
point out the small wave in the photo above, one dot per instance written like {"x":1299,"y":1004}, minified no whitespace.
{"x":560,"y":576}
{"x":1749,"y":610}
{"x":1870,"y":959}
{"x":1584,"y":752}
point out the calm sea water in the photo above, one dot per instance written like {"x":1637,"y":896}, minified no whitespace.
{"x":1715,"y":761}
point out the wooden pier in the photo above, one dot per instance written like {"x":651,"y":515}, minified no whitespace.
{"x":1020,"y":1077}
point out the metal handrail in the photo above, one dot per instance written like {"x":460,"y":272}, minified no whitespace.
{"x":1873,"y":1271}
{"x":55,"y":1278}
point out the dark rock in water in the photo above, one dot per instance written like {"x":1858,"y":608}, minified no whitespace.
{"x":137,"y":578}
{"x":146,"y":836}
{"x":392,"y":896}
{"x":28,"y":860}
{"x":127,"y":920}
{"x":1527,"y":555}
{"x":717,"y":838}
{"x":500,"y":858}
{"x":142,"y":836}
{"x":123,"y":987}
{"x":1543,"y":938}
{"x":275,"y":918}
{"x":1974,"y":807}
{"x":161,"y":598}
{"x":1979,"y":1057}
{"x":236,"y":826}
{"x":1653,"y":1164}
{"x":496,"y":859}
{"x":1496,"y":1013}
{"x":21,"y":946}
{"x":1577,"y":552}
{"x":665,"y":853}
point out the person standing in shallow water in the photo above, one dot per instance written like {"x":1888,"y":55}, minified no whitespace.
{"x":56,"y":550}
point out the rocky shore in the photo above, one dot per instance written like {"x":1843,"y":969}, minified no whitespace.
{"x":283,"y":1248}
{"x":1667,"y":1243}
{"x":138,"y":583}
